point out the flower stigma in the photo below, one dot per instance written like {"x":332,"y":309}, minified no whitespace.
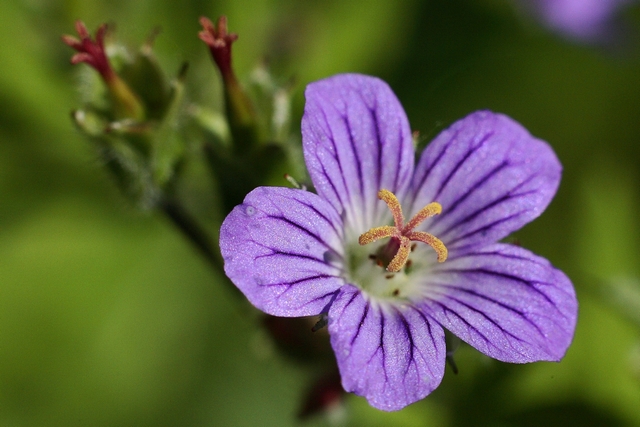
{"x":395,"y":254}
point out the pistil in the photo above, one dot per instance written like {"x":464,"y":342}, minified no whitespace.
{"x":402,"y":235}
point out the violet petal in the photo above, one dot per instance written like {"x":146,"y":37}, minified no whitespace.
{"x":490,"y":176}
{"x":356,"y":141}
{"x":282,"y":249}
{"x":392,"y":356}
{"x":505,"y":301}
{"x":587,"y":20}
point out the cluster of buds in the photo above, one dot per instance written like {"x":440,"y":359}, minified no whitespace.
{"x":141,"y":121}
{"x":131,"y":115}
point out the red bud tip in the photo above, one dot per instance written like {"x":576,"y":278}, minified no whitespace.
{"x":90,"y":51}
{"x":219,"y":42}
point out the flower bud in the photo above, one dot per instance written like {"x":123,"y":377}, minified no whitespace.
{"x":240,"y":110}
{"x":137,"y":131}
{"x":127,"y":104}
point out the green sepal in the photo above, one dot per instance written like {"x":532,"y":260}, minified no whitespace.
{"x":144,"y":157}
{"x":273,"y":103}
{"x":143,"y":74}
{"x":169,"y":141}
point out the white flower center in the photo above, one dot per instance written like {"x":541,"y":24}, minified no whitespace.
{"x":389,"y":270}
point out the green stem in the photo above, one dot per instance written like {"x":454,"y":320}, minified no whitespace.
{"x":196,"y":234}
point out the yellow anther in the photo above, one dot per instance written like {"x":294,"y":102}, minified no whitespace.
{"x":401,"y":257}
{"x":377,"y":233}
{"x":432,"y":241}
{"x":402,"y":234}
{"x":428,"y":211}
{"x":394,"y":206}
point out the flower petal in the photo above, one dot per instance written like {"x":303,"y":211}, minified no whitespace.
{"x":356,"y":141}
{"x":490,"y":176}
{"x":393,"y":356}
{"x":282,"y":249}
{"x":583,"y":20}
{"x":505,"y":301}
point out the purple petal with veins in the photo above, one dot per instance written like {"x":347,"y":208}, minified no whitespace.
{"x":276,"y":247}
{"x":505,"y":301}
{"x":356,"y":140}
{"x":490,"y":176}
{"x":391,"y":356}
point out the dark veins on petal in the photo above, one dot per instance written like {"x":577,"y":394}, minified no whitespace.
{"x":448,"y":309}
{"x":458,"y":165}
{"x":511,"y":194}
{"x":321,"y":297}
{"x":484,"y":228}
{"x":299,"y":281}
{"x":413,"y":349}
{"x":426,"y":321}
{"x":493,"y":301}
{"x":529,"y":283}
{"x":452,"y":206}
{"x":305,"y":231}
{"x":339,"y":231}
{"x":362,"y":318}
{"x":424,"y":179}
{"x":354,"y":150}
{"x":277,"y":252}
{"x":333,"y":187}
{"x":409,"y":336}
{"x":381,"y":161}
{"x":336,"y":156}
{"x":381,"y":348}
{"x":502,"y":254}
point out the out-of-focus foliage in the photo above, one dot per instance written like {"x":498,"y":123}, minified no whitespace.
{"x":109,"y":318}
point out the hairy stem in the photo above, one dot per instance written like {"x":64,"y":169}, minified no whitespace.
{"x":190,"y":228}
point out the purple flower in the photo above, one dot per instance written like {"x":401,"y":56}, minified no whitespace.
{"x":394,"y":253}
{"x":586,"y":20}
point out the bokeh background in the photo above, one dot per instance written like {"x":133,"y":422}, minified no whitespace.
{"x":108,"y":317}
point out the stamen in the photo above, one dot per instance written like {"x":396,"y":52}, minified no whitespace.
{"x":432,"y":241}
{"x":394,"y":206}
{"x":427,"y":212}
{"x":377,"y":233}
{"x":402,"y":235}
{"x":401,"y":257}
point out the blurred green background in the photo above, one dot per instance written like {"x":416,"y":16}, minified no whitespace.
{"x":108,"y":317}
